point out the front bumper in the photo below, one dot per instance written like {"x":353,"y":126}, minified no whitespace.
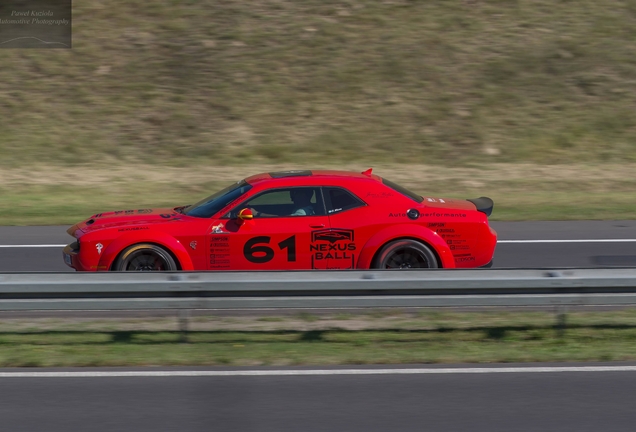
{"x":71,"y":256}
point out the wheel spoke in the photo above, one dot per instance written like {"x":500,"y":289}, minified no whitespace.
{"x":409,"y":259}
{"x":406,"y":254}
{"x":146,"y":258}
{"x":145,"y":261}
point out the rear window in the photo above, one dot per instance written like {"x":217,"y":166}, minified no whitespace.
{"x":404,"y":191}
{"x":339,"y":200}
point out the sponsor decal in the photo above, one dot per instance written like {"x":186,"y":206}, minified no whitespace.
{"x":218,"y":229}
{"x":220,"y":260}
{"x":332,"y":236}
{"x":431,"y":200}
{"x":124,"y":212}
{"x":337,"y":245}
{"x":219,"y":252}
{"x":99,"y":248}
{"x":450,"y":215}
{"x":216,"y":241}
{"x":436,"y":225}
{"x":456,"y":241}
{"x":397,"y":214}
{"x":379,"y":195}
{"x":461,"y":258}
{"x":193,"y":244}
{"x":136,"y":228}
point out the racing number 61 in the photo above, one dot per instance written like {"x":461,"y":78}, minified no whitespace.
{"x":255,"y":246}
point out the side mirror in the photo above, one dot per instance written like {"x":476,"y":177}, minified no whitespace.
{"x":245,"y":214}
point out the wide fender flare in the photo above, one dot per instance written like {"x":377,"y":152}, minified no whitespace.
{"x":412,"y":231}
{"x":159,"y":238}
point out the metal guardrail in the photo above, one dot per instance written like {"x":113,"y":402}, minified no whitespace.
{"x":322,"y":289}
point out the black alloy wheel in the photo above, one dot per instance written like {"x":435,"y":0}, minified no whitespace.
{"x":406,"y":254}
{"x":145,"y":257}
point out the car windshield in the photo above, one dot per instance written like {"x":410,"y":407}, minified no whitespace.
{"x":404,"y":191}
{"x":211,"y":205}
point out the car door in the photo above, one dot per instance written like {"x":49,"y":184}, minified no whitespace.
{"x":350,"y":228}
{"x":273,"y":239}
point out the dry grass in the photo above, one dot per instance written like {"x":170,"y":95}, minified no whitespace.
{"x":63,"y":195}
{"x":211,"y":82}
{"x":600,"y":177}
{"x":529,"y":101}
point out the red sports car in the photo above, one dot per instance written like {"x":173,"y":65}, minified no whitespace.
{"x":292,"y":220}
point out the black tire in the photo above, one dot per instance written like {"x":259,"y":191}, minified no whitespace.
{"x":145,"y":257}
{"x":405,"y":254}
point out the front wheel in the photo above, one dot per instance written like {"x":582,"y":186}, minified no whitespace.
{"x":405,"y":254}
{"x":145,"y":257}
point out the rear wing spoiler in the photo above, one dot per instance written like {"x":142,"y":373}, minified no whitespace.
{"x":483,"y":204}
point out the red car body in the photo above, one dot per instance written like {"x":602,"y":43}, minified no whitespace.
{"x":355,"y":218}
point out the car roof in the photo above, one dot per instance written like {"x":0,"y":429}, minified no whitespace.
{"x":327,"y":174}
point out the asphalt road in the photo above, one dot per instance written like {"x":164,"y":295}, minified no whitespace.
{"x":518,"y":401}
{"x":477,"y":402}
{"x":537,"y":245}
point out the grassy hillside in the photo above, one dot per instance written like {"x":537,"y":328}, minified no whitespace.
{"x":214,"y":82}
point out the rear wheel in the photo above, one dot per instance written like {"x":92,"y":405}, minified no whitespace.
{"x":145,"y":257}
{"x":405,"y":254}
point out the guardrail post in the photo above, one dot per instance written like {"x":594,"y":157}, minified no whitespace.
{"x":184,"y":317}
{"x":561,"y":323}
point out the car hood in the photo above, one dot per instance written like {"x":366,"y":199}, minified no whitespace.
{"x":133,"y":219}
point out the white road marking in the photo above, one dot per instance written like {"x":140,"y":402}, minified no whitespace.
{"x":33,"y":246}
{"x":499,"y":241}
{"x":315,"y":372}
{"x":570,"y":241}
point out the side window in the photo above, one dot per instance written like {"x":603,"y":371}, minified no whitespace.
{"x":339,"y":200}
{"x":284,"y":202}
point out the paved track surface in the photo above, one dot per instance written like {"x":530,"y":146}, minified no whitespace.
{"x":565,"y":401}
{"x":476,"y":402}
{"x":508,"y":255}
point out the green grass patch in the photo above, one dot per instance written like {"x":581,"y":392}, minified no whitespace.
{"x":394,"y":338}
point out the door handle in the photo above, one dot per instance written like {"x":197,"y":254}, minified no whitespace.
{"x":317,"y":226}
